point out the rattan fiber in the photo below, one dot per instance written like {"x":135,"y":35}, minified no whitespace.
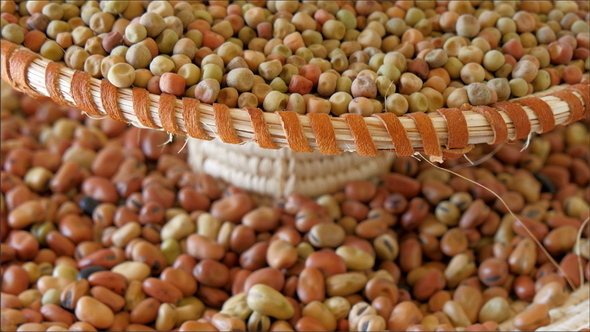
{"x":444,"y":134}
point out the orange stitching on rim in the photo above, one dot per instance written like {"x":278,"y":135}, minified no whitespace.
{"x":293,"y":132}
{"x":573,"y":103}
{"x":191,"y":113}
{"x":261,"y":134}
{"x":496,"y":122}
{"x":108,"y":97}
{"x":141,"y":106}
{"x":543,"y":111}
{"x":430,"y":142}
{"x":397,"y":133}
{"x":52,"y":83}
{"x":365,"y":146}
{"x":6,"y":49}
{"x":520,"y":120}
{"x":584,"y":89}
{"x":80,"y":88}
{"x":456,"y":127}
{"x":19,"y":63}
{"x":225,"y":129}
{"x":324,"y":133}
{"x":166,"y":111}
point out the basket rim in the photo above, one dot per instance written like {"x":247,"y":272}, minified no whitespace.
{"x":447,"y":133}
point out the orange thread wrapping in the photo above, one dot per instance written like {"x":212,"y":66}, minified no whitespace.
{"x":397,"y":133}
{"x":52,"y":83}
{"x":496,"y":122}
{"x":520,"y":120}
{"x":191,"y":114}
{"x":80,"y":88}
{"x":19,"y":63}
{"x":6,"y":49}
{"x":543,"y":111}
{"x":573,"y":103}
{"x":108,"y":97}
{"x":293,"y":132}
{"x":141,"y":106}
{"x":261,"y":134}
{"x":456,"y":127}
{"x":584,"y":89}
{"x":167,"y":113}
{"x":324,"y":133}
{"x":426,"y":129}
{"x":225,"y":129}
{"x":365,"y":146}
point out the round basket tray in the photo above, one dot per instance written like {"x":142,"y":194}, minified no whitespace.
{"x":446,"y":133}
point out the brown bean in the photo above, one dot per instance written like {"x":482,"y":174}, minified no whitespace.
{"x":261,"y":219}
{"x":435,"y":191}
{"x":493,"y":271}
{"x":180,"y":278}
{"x":101,"y":189}
{"x":533,"y":317}
{"x":26,"y":214}
{"x":162,"y":291}
{"x":94,"y":312}
{"x":268,"y":276}
{"x":104,"y":295}
{"x":403,"y":315}
{"x":474,"y":215}
{"x":232,"y":208}
{"x":412,"y":257}
{"x":570,"y":265}
{"x":327,"y":262}
{"x":202,"y":248}
{"x":470,"y":299}
{"x":523,"y":225}
{"x":281,"y":254}
{"x":54,"y":313}
{"x":111,"y":280}
{"x":211,"y":273}
{"x":454,"y":242}
{"x":311,"y":285}
{"x":371,"y":228}
{"x":255,"y":257}
{"x":212,"y":297}
{"x":523,"y":258}
{"x":379,"y":287}
{"x":560,"y":239}
{"x":18,"y":161}
{"x":242,"y":238}
{"x":415,"y":214}
{"x":428,"y":285}
{"x":107,"y":161}
{"x":15,"y":280}
{"x":402,"y":184}
{"x":106,"y":258}
{"x":25,"y":244}
{"x":145,"y":312}
{"x":360,"y":190}
{"x":73,"y":292}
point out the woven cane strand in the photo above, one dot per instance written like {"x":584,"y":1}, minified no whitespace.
{"x":330,"y":135}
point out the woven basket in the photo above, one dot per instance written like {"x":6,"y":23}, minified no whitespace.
{"x":443,"y":134}
{"x":278,"y":173}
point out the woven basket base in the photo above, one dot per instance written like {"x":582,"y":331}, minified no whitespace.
{"x":573,"y":315}
{"x":278,"y":173}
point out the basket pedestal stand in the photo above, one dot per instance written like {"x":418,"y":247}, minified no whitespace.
{"x":278,"y":173}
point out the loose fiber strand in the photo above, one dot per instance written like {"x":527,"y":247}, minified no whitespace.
{"x":569,"y":281}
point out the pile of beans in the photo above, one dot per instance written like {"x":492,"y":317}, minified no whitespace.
{"x":334,"y":57}
{"x":103,"y":228}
